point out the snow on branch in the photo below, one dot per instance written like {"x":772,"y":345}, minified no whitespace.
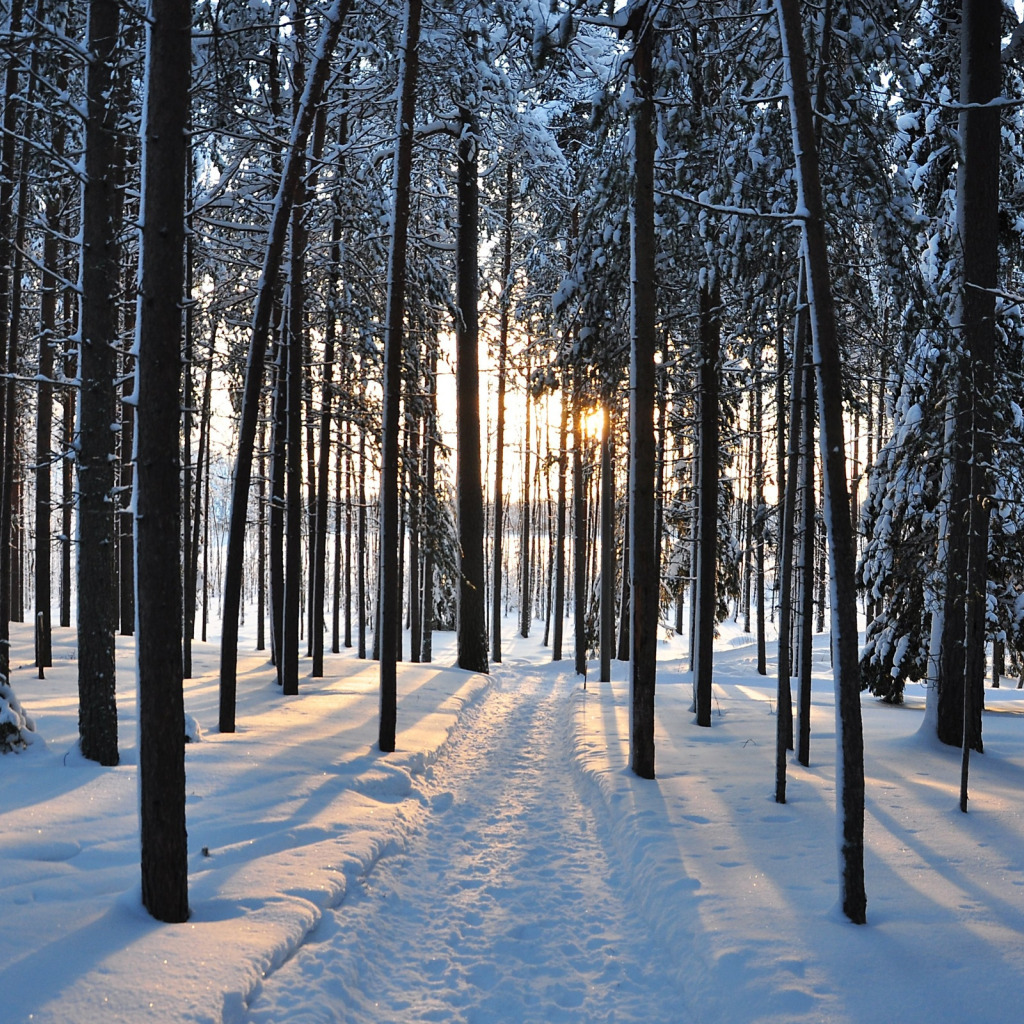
{"x":790,"y":216}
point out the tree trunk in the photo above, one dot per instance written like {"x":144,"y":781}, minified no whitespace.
{"x":624,"y":646}
{"x":414,"y":433}
{"x":580,"y":541}
{"x":607,"y":549}
{"x":202,"y":458}
{"x":472,"y":620}
{"x":67,"y":500}
{"x":558,"y":575}
{"x":390,"y":584}
{"x":806,"y":567}
{"x":525,"y":581}
{"x":643,"y":563}
{"x":849,"y":730}
{"x":760,"y":513}
{"x":707,"y":549}
{"x":499,"y":431}
{"x":429,"y":502}
{"x":157,"y":499}
{"x":189,"y":471}
{"x":361,"y":551}
{"x":97,"y":367}
{"x":44,"y":434}
{"x":279,"y":450}
{"x":978,"y":229}
{"x":257,"y":350}
{"x":8,"y":176}
{"x":294,"y":560}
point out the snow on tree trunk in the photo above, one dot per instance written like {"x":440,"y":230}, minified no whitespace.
{"x":849,"y":730}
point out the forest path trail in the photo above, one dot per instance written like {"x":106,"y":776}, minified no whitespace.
{"x":500,"y":905}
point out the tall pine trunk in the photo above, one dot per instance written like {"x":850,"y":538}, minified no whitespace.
{"x":97,"y":367}
{"x":525,"y":580}
{"x":806,"y":567}
{"x":157,"y":495}
{"x":643,"y":562}
{"x":607,"y":548}
{"x":978,"y":229}
{"x":849,"y":729}
{"x":258,"y":336}
{"x":707,"y":506}
{"x":389,"y":620}
{"x":44,"y":434}
{"x":499,"y":432}
{"x":579,"y":537}
{"x":558,"y":572}
{"x":472,"y":617}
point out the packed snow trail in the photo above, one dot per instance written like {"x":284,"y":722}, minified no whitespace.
{"x":501,"y":905}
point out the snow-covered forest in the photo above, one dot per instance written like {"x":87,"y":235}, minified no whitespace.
{"x":335,"y":326}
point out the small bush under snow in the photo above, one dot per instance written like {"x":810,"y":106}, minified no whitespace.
{"x":16,"y":728}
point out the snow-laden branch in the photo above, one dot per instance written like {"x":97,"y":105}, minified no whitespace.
{"x":789,"y":216}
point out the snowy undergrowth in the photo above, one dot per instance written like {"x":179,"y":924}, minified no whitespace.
{"x":17,"y":730}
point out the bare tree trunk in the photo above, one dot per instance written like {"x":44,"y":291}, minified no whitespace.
{"x":390,"y":584}
{"x":361,"y":550}
{"x":849,"y":730}
{"x":97,"y":367}
{"x":472,"y":620}
{"x":44,"y":434}
{"x":978,"y":229}
{"x":607,"y":549}
{"x":278,"y":461}
{"x":429,"y":501}
{"x":625,"y":619}
{"x":202,"y":457}
{"x":806,"y":567}
{"x":558,"y":578}
{"x":415,"y":446}
{"x":643,"y":561}
{"x":157,"y":499}
{"x":67,"y":501}
{"x":707,"y":549}
{"x":342,"y":539}
{"x":293,"y":459}
{"x":580,"y":542}
{"x":499,"y":438}
{"x":760,"y":513}
{"x":525,"y":581}
{"x":273,"y":255}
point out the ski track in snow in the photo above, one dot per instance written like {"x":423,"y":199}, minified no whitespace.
{"x":448,"y":927}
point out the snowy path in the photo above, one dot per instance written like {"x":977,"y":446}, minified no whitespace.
{"x":450,"y":927}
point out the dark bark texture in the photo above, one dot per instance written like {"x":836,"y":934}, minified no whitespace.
{"x":158,"y":510}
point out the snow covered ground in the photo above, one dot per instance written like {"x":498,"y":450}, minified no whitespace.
{"x":504,"y":864}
